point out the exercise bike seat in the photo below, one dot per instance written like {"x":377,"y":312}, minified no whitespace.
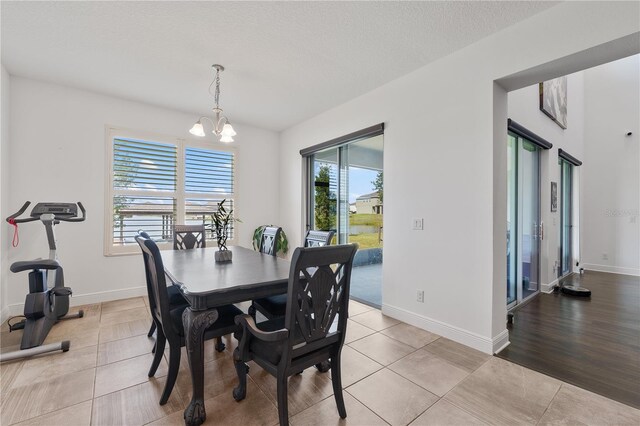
{"x":27,"y":265}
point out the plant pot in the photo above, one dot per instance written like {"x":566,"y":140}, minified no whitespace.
{"x":222,"y":256}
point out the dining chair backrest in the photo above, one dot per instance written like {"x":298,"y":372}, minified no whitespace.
{"x":156,"y":284}
{"x":318,"y":238}
{"x":319,"y":281}
{"x":152,"y":304}
{"x":187,"y":237}
{"x":270,"y":236}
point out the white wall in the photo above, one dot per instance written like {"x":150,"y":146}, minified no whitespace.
{"x":439,"y":164}
{"x":57,"y":154}
{"x":524,"y":109}
{"x":611,"y":170}
{"x":5,"y":90}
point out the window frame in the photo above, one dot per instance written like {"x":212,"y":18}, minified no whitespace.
{"x":180,"y":195}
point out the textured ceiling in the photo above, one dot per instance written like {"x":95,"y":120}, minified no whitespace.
{"x":285,"y":61}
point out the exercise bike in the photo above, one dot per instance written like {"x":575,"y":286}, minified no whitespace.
{"x":48,"y":298}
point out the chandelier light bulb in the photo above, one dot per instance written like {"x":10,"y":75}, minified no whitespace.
{"x":227,"y":130}
{"x":226,"y":138}
{"x":197,"y":129}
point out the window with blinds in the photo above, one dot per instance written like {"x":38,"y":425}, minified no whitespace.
{"x":155,"y":184}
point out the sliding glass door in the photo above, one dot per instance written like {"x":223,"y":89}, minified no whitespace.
{"x":346,"y":195}
{"x":523,"y":219}
{"x":512,"y":209}
{"x":566,"y":213}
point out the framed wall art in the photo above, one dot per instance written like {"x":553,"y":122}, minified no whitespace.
{"x":553,"y":100}
{"x":554,"y":196}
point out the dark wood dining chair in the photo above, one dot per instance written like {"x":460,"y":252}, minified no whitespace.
{"x":318,"y":238}
{"x":186,"y":237}
{"x":308,"y":334}
{"x":275,"y":306}
{"x":169,"y":318}
{"x":175,"y":297}
{"x":270,"y":236}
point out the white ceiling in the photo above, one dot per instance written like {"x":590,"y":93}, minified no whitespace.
{"x":285,"y":61}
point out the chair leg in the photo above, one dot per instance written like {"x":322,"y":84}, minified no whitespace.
{"x":283,"y":403}
{"x":172,"y":375}
{"x":240,"y":391}
{"x":152,"y":329}
{"x":219,"y":344}
{"x":324,"y":366}
{"x":336,"y":380}
{"x":159,"y":351}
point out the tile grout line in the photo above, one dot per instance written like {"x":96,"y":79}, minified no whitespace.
{"x":52,"y":412}
{"x":458,"y":406}
{"x":549,"y":405}
{"x":383,"y":365}
{"x":365,"y":405}
{"x":95,"y":373}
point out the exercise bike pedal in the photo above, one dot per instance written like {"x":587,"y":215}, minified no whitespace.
{"x":17,"y":326}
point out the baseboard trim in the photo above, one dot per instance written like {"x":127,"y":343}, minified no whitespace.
{"x":501,"y":341}
{"x":548,"y":288}
{"x":611,"y":269}
{"x":454,"y":333}
{"x":4,"y":314}
{"x":90,"y":298}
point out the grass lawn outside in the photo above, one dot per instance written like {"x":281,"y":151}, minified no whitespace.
{"x":368,"y":239}
{"x":365,"y":240}
{"x":365,"y":219}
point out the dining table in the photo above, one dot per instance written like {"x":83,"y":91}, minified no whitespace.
{"x":207,"y":284}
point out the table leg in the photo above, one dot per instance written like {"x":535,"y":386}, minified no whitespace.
{"x":195,"y":323}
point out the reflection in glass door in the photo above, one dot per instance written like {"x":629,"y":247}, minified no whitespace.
{"x":566,"y":223}
{"x":324,"y":190}
{"x":529,"y":170}
{"x":523,"y":219}
{"x":346,"y":195}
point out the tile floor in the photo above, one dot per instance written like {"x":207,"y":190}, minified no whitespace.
{"x":393,"y":373}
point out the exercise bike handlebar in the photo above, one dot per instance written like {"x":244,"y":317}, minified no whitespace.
{"x":62,"y":218}
{"x":75,"y":219}
{"x":13,"y":217}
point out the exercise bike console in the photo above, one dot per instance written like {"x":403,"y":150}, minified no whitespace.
{"x":58,"y":209}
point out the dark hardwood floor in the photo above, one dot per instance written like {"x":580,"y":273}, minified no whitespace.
{"x":591,"y":343}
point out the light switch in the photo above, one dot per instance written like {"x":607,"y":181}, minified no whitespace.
{"x":418,"y":224}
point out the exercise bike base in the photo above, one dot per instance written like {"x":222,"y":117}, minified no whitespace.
{"x":59,"y":346}
{"x":574,"y":290}
{"x":80,"y":314}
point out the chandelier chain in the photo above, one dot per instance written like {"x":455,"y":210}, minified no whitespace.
{"x":217,"y":95}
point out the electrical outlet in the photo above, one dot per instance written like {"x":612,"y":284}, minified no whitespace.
{"x":420,"y":296}
{"x":417,"y":224}
{"x":605,"y":256}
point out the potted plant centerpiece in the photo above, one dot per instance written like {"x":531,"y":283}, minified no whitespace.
{"x":221,"y":221}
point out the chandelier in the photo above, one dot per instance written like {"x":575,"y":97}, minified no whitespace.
{"x":221,"y":125}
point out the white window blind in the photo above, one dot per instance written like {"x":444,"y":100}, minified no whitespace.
{"x":208,"y":180}
{"x":155,"y":184}
{"x":144,"y":186}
